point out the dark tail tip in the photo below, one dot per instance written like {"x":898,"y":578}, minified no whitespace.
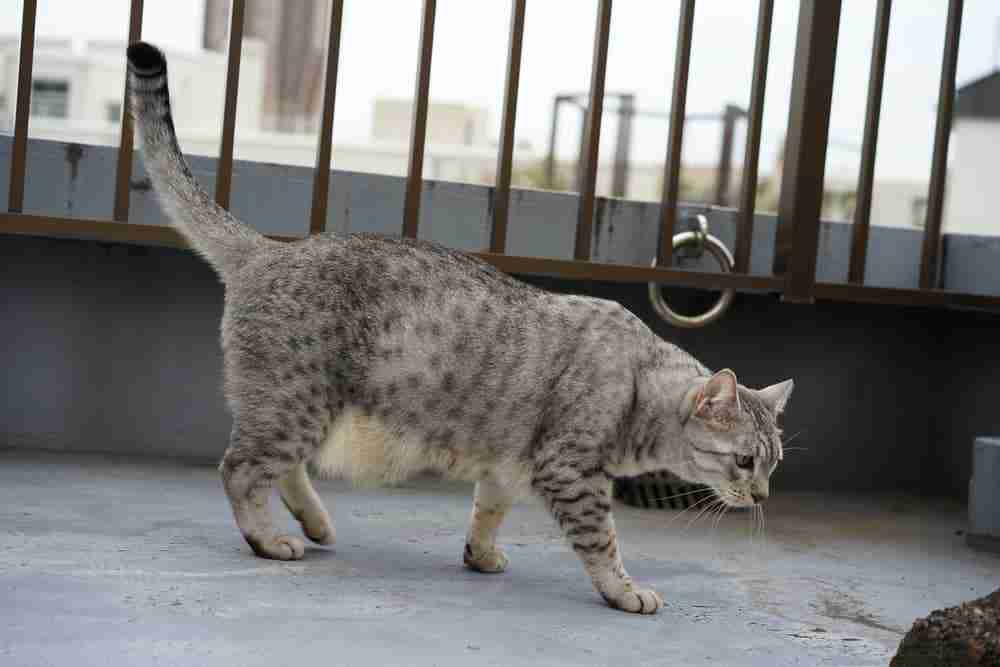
{"x":145,"y":60}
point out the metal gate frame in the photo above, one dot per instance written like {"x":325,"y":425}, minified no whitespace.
{"x":800,"y":200}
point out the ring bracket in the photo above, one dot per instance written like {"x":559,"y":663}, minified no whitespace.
{"x":701,"y":239}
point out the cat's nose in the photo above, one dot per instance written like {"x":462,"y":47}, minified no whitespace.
{"x":759,"y":496}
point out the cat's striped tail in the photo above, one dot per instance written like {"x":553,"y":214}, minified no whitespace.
{"x":218,"y":236}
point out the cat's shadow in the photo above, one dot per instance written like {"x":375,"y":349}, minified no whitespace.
{"x":546,"y":583}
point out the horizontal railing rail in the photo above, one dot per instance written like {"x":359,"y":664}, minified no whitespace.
{"x":800,"y":198}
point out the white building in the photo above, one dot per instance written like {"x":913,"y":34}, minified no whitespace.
{"x":77,"y":90}
{"x":972,"y":202}
{"x":77,"y":93}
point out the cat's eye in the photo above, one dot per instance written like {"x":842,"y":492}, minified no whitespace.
{"x":744,"y":461}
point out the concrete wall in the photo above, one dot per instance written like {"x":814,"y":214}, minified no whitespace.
{"x":964,"y":398}
{"x":114,"y":348}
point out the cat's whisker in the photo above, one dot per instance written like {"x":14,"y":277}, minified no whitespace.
{"x":797,"y":434}
{"x":689,"y":508}
{"x":718,"y":517}
{"x":702,"y":513}
{"x":680,"y":495}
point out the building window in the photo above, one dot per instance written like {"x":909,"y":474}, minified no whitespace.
{"x":50,"y":98}
{"x":113,"y":112}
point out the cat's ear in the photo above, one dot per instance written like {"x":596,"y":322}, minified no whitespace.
{"x":718,"y":400}
{"x":776,"y":396}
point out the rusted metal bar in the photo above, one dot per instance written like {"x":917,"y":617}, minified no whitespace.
{"x":903,"y":297}
{"x":751,"y":158}
{"x":801,"y":199}
{"x":939,"y":162}
{"x":628,"y":273}
{"x":672,"y":167}
{"x":19,"y":154}
{"x":866,"y":174}
{"x":123,"y":177}
{"x":97,"y":230}
{"x":224,"y":168}
{"x":161,"y":235}
{"x":501,"y":194}
{"x":588,"y":172}
{"x":321,"y":176}
{"x":418,"y":134}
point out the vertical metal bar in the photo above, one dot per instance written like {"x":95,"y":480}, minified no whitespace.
{"x":672,"y":168}
{"x":224,"y":169}
{"x":751,"y":159}
{"x":550,"y":159}
{"x":414,"y":177}
{"x":866,"y":175}
{"x":585,"y":214}
{"x":935,"y":196}
{"x":801,"y":200}
{"x":729,"y":117}
{"x":19,"y":154}
{"x":501,"y":198}
{"x":321,"y":176}
{"x":123,"y":177}
{"x":623,"y":144}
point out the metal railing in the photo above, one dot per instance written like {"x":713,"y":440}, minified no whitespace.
{"x":801,"y":191}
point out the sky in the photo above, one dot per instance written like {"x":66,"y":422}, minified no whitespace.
{"x":380,"y":39}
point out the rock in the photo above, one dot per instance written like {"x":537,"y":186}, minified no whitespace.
{"x":965,"y":635}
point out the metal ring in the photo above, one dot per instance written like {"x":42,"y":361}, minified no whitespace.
{"x":725,"y":259}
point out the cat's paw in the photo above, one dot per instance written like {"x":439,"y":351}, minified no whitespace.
{"x":283,"y":547}
{"x":318,"y":528}
{"x":316,"y":524}
{"x":636,"y":600}
{"x":489,"y":562}
{"x":320,"y":533}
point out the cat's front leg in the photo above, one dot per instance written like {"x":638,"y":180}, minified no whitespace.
{"x":581,"y":504}
{"x":488,"y":509}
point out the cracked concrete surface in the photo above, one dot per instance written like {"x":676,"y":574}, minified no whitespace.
{"x":108,"y":561}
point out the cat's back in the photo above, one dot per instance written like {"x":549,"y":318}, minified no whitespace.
{"x":373,"y":269}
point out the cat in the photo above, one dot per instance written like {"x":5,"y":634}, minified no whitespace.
{"x":377,"y":357}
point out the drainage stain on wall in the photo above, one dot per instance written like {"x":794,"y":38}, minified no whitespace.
{"x":74,"y":152}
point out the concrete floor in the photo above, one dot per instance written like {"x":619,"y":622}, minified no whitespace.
{"x":105,"y":561}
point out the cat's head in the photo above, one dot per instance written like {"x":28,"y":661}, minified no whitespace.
{"x":732,"y":442}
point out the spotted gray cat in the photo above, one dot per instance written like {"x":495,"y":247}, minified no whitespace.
{"x":375,"y":357}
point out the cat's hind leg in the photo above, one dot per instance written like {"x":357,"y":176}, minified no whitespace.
{"x":489,"y":506}
{"x":304,"y":503}
{"x":258,"y":455}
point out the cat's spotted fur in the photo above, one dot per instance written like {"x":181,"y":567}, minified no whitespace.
{"x":377,"y":357}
